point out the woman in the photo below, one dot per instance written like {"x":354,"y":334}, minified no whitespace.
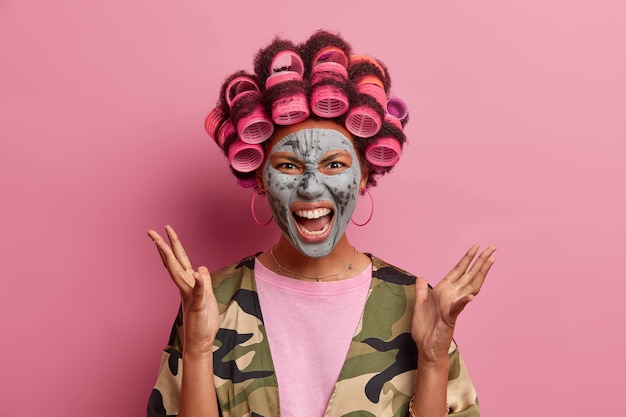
{"x":349,"y":334}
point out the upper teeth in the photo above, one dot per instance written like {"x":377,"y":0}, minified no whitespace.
{"x":313,"y":214}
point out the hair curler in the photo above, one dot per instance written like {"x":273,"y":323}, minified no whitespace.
{"x":245,"y":157}
{"x":255,"y":127}
{"x":363,"y":121}
{"x":239,"y":87}
{"x":397,"y":108}
{"x":383,"y":152}
{"x":331,"y":54}
{"x":292,"y":107}
{"x":328,"y":100}
{"x":213,"y":121}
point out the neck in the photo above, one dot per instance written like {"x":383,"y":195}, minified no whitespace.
{"x":335,"y":262}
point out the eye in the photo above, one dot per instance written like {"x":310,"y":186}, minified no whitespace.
{"x":336,"y":165}
{"x":287,"y":163}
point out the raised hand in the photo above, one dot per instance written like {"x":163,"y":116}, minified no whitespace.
{"x":200,"y":310}
{"x":437,"y":310}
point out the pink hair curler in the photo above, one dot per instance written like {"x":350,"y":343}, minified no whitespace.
{"x":397,"y":108}
{"x":247,"y":182}
{"x":245,"y":157}
{"x":213,"y":121}
{"x":239,"y":87}
{"x":290,"y":109}
{"x":225,"y":130}
{"x":363,"y":121}
{"x":375,"y":91}
{"x":394,"y":121}
{"x":281,"y":77}
{"x":331,"y":54}
{"x":383,"y":152}
{"x":287,"y":61}
{"x":328,"y":70}
{"x":328,"y":101}
{"x":255,"y":127}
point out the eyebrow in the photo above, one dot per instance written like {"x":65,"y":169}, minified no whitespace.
{"x":288,"y":157}
{"x":331,"y":157}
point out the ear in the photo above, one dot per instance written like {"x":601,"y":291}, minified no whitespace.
{"x":259,"y":177}
{"x":364,"y":176}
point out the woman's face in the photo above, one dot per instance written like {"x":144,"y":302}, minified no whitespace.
{"x":312,"y":178}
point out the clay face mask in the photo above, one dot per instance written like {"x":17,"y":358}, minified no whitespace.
{"x":312,"y":178}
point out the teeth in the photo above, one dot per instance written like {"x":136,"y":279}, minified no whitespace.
{"x":313,"y":214}
{"x":315,"y":233}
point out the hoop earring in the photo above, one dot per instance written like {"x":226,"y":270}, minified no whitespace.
{"x":256,"y":219}
{"x":371,"y":213}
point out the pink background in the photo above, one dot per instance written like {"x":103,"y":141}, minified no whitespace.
{"x":516,"y":138}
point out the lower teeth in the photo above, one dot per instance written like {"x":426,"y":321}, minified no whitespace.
{"x":313,"y":233}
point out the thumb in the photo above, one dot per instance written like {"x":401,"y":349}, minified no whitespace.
{"x":421,"y":291}
{"x":197,"y":293}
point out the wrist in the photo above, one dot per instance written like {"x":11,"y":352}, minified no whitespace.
{"x":198,"y":350}
{"x":433,"y":365}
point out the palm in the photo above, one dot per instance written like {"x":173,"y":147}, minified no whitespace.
{"x":200,"y":309}
{"x":436,"y":310}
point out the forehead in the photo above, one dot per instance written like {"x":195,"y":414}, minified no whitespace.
{"x":313,"y":143}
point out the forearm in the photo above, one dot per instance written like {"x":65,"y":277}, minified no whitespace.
{"x":197,"y":396}
{"x":431,"y":383}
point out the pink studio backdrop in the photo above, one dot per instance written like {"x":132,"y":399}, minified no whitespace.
{"x":516,"y":138}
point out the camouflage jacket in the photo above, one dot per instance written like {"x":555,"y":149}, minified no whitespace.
{"x":377,"y":377}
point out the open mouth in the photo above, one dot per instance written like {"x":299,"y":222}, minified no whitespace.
{"x":314,"y":223}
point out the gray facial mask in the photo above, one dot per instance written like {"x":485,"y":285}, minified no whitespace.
{"x":311,"y":207}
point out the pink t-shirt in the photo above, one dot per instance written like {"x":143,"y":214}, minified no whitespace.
{"x":309,"y":327}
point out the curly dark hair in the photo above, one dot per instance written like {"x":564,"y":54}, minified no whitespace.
{"x":362,"y":81}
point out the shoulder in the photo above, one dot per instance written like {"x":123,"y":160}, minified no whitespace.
{"x":231,"y":280}
{"x":390,"y":273}
{"x":246,"y":265}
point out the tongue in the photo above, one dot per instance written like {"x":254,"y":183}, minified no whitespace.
{"x":313,"y":225}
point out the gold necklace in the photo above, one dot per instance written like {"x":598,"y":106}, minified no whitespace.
{"x":316,"y":278}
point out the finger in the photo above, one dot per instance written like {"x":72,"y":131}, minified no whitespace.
{"x":473,"y":282}
{"x":154,"y":236}
{"x":459,"y":305}
{"x":460,"y":268}
{"x":197,"y":294}
{"x":482,"y":258}
{"x":206,"y":277}
{"x":171,"y":263}
{"x":177,"y":248}
{"x":421,"y":291}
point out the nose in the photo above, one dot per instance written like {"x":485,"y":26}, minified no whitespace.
{"x":311,"y":186}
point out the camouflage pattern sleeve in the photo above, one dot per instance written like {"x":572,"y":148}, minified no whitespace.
{"x":163,"y":401}
{"x":462,"y":399}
